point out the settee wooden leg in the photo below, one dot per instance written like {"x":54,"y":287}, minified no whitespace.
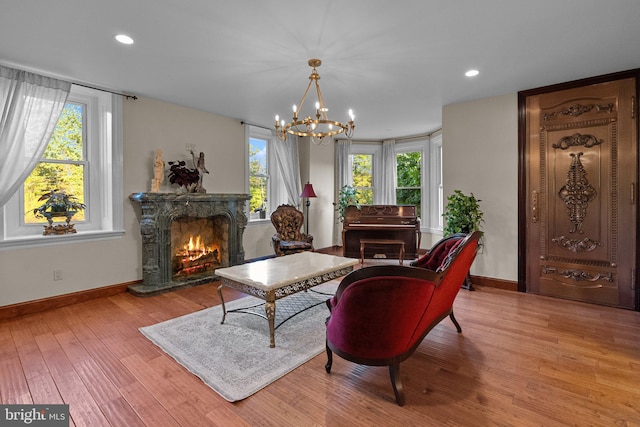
{"x":327,"y":367}
{"x":467,"y":283}
{"x":396,"y":382}
{"x":455,"y":322}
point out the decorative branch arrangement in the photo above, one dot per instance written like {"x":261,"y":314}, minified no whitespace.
{"x":190,"y":179}
{"x":183,"y":176}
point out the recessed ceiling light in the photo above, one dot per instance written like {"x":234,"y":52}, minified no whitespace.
{"x":472,"y":73}
{"x":124,"y":39}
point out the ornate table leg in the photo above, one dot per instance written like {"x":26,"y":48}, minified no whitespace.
{"x":270,"y":309}
{"x":224,"y":310}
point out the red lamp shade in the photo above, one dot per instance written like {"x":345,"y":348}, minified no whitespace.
{"x":307,"y":191}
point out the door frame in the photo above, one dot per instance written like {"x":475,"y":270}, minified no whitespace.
{"x":522,"y":165}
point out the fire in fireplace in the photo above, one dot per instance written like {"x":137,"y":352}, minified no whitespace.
{"x":197,"y":245}
{"x":195,"y":257}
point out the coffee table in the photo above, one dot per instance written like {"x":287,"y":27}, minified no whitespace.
{"x":276,"y":278}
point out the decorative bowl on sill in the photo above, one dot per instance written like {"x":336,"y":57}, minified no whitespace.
{"x":59,"y":228}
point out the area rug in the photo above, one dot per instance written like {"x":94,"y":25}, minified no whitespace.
{"x":234,"y":358}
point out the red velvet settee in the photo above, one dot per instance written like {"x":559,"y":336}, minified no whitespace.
{"x":435,"y":257}
{"x":381,"y":314}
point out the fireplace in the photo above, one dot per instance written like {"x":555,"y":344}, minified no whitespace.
{"x":198,"y":246}
{"x":186,"y":236}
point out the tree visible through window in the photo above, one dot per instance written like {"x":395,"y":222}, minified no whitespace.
{"x":409,"y":179}
{"x":258,"y":177}
{"x":363,"y":177}
{"x":62,"y":165}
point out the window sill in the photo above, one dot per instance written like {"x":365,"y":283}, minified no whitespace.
{"x":53,"y":240}
{"x":259,"y":222}
{"x":431,"y":230}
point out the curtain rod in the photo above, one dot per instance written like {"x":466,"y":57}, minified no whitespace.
{"x":54,"y":76}
{"x":106,"y":90}
{"x":252,"y":124}
{"x":399,"y":139}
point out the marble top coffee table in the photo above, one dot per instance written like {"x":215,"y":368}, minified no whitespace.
{"x":275,"y":278}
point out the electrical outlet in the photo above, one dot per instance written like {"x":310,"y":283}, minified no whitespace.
{"x":57,"y":274}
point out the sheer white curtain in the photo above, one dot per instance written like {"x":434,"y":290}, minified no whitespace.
{"x":30,"y":106}
{"x":386,"y":180}
{"x":287,"y":157}
{"x":343,"y":164}
{"x":344,"y":177}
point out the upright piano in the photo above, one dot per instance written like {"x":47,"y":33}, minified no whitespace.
{"x":393,"y":222}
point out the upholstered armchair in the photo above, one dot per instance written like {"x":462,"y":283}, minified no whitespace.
{"x":288,"y":238}
{"x":435,"y":257}
{"x":381,"y":314}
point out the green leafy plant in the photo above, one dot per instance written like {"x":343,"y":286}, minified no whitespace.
{"x":346,"y":197}
{"x":462,"y":214}
{"x":57,"y":201}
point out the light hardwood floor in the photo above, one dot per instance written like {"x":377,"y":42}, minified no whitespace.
{"x":521,"y":360}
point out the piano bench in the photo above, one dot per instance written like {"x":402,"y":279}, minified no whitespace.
{"x":372,"y":242}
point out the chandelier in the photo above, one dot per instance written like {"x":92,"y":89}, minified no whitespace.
{"x":320,"y":128}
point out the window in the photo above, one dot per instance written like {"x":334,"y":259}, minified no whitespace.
{"x":363,"y":177}
{"x":84,"y":158}
{"x":418,"y":176}
{"x":265,"y":182}
{"x":62,"y":165}
{"x":258,"y":178}
{"x":409,"y":179}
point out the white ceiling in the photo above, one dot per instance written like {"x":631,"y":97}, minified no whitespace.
{"x":396,"y":63}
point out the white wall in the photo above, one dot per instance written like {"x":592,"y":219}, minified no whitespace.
{"x":27,"y":274}
{"x":480,"y":156}
{"x":321,"y":211}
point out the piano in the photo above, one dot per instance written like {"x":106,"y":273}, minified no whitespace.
{"x":392,"y":222}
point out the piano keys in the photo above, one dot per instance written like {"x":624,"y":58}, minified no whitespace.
{"x":384,"y":222}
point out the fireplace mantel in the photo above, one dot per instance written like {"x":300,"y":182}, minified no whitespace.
{"x":159,"y":210}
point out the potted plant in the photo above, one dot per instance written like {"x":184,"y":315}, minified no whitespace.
{"x":346,"y":197}
{"x":462,"y":214}
{"x":58,"y":204}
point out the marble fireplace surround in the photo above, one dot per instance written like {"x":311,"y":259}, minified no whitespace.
{"x":158,"y":210}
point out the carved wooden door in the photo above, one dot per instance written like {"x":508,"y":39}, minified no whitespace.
{"x":581,"y":162}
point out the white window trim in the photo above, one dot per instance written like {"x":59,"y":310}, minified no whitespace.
{"x":275,"y":191}
{"x":434,"y":186}
{"x":375,"y":150}
{"x":413,"y":146}
{"x":431,"y":147}
{"x":105,"y":195}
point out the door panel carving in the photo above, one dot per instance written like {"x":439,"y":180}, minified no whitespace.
{"x":581,"y":161}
